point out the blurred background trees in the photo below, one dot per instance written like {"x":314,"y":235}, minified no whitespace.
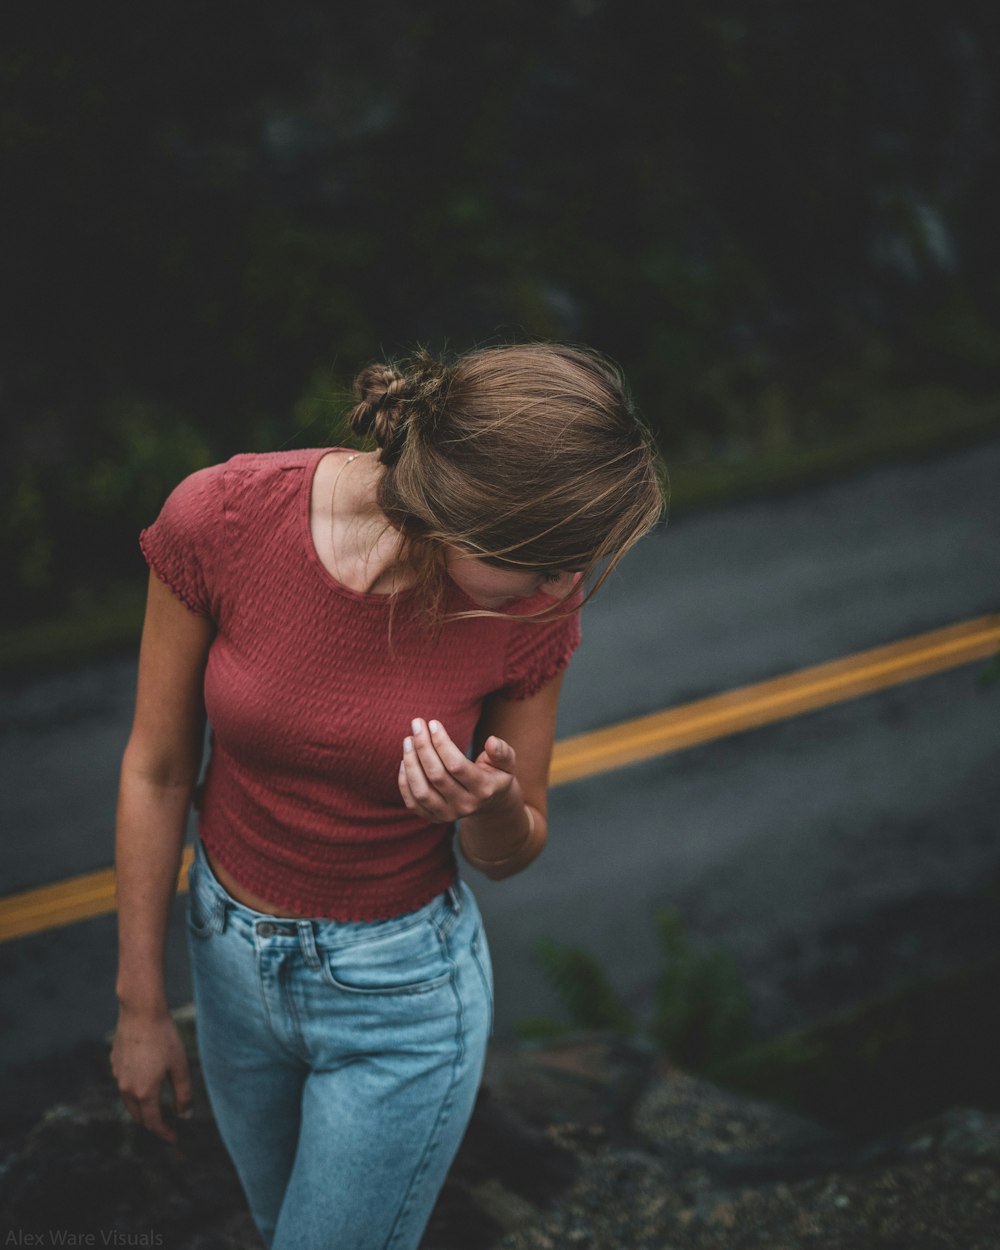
{"x":779,"y":218}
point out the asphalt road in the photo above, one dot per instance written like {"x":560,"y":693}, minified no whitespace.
{"x":836,"y":854}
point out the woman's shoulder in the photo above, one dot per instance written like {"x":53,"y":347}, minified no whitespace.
{"x":254,"y":464}
{"x":246,"y":485}
{"x":263,"y":463}
{"x":260,"y":475}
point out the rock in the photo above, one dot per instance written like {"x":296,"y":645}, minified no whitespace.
{"x":588,"y":1082}
{"x":590,"y":1142}
{"x":87,"y":1169}
{"x":735,"y":1139}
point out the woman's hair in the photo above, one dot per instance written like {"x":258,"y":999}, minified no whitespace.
{"x":524,"y":456}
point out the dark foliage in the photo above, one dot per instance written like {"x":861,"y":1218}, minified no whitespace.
{"x":214,"y":214}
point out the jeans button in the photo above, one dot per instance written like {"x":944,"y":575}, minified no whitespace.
{"x":266,"y":929}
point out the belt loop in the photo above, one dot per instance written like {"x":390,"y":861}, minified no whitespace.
{"x":455,"y":898}
{"x":220,"y":910}
{"x":307,"y":941}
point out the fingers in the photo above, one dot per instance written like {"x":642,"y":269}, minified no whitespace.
{"x":439,"y":781}
{"x":148,"y":1113}
{"x":499,"y":754}
{"x":432,"y":770}
{"x":180,"y":1079}
{"x":439,"y":757}
{"x":147,"y":1052}
{"x":426,"y":785}
{"x":151,"y":1112}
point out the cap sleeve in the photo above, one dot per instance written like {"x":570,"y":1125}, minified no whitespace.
{"x":538,"y":651}
{"x":182,"y":545}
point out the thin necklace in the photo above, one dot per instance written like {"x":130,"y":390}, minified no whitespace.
{"x":333,"y":520}
{"x":333,"y":531}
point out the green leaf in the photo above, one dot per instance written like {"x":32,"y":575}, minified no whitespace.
{"x":540,"y":1028}
{"x":580,"y":982}
{"x":701,"y":1008}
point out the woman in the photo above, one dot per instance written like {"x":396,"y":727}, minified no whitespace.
{"x":378,"y":641}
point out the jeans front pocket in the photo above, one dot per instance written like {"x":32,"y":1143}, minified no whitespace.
{"x":202,"y":906}
{"x":410,"y":959}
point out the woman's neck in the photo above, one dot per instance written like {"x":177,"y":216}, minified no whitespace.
{"x":353,"y":537}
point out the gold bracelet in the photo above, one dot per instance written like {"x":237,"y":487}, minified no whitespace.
{"x":504,"y":859}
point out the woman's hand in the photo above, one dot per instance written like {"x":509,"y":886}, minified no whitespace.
{"x":147,"y":1051}
{"x":437,"y":780}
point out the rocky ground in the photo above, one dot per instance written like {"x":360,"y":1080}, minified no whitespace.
{"x":589,"y":1144}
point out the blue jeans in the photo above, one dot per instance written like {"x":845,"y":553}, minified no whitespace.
{"x":342,"y":1059}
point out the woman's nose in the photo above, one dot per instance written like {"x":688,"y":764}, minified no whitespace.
{"x":561,"y":586}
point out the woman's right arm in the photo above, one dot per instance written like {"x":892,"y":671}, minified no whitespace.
{"x":159,"y":771}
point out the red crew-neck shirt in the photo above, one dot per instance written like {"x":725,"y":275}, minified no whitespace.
{"x":309,"y":702}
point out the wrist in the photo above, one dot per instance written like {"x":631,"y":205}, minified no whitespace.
{"x":497,"y":825}
{"x":503,"y":836}
{"x":149,"y":1004}
{"x":514,"y":850}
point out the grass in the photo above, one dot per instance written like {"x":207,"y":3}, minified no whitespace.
{"x":103,"y":626}
{"x":880,"y":1066}
{"x":877,"y":1067}
{"x":900,"y":426}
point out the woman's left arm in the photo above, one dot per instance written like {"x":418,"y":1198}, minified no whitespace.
{"x":501,"y":797}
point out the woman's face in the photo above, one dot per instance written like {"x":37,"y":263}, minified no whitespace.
{"x":491,"y":587}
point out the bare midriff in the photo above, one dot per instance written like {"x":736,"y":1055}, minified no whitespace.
{"x":247,"y":897}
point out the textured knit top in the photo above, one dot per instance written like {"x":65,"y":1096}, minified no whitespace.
{"x":309,"y":701}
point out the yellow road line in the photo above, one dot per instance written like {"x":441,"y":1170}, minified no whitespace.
{"x":749,"y":707}
{"x":76,"y":898}
{"x":735,"y":711}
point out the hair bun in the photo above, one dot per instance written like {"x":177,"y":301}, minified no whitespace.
{"x":380,"y":411}
{"x":389,"y":401}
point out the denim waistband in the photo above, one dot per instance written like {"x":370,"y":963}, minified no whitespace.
{"x":221,"y":910}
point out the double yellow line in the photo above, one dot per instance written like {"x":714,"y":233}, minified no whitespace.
{"x":735,"y":711}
